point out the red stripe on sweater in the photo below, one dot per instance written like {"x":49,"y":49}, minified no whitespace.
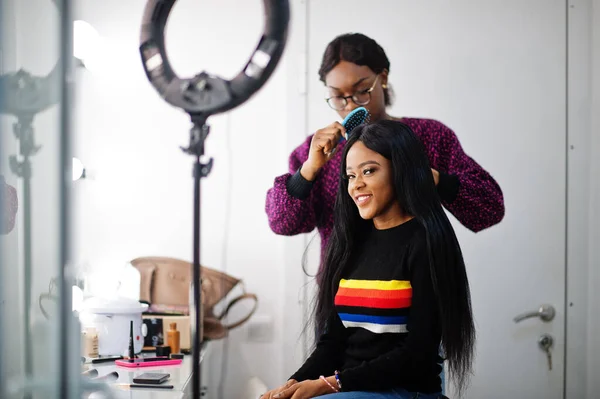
{"x":378,"y":303}
{"x":368,"y":293}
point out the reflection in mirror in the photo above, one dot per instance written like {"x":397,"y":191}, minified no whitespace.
{"x":33,"y":250}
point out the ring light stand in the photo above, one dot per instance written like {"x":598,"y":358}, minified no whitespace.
{"x":200,"y":97}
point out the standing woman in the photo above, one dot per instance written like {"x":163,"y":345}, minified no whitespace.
{"x":355,"y":71}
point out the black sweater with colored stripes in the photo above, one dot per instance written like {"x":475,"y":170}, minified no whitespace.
{"x":385,"y":331}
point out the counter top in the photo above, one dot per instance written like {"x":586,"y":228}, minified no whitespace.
{"x":180,"y":379}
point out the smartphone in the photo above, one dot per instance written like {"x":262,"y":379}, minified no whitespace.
{"x":151,"y":378}
{"x":148,"y":362}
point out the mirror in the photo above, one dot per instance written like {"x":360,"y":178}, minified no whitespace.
{"x":33,"y":250}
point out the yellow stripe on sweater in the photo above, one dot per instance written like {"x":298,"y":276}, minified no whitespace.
{"x":376,"y":284}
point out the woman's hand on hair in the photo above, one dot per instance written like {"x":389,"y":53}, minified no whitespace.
{"x":273,"y":392}
{"x":304,"y":390}
{"x":322,"y":149}
{"x":436,"y":176}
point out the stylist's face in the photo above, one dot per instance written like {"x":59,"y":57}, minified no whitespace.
{"x":348,"y":79}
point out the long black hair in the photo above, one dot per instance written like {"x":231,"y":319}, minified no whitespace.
{"x":416,"y":193}
{"x":360,"y":50}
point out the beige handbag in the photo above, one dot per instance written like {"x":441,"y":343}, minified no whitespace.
{"x":165,"y":285}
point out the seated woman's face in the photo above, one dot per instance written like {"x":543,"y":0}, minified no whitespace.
{"x":370,"y":184}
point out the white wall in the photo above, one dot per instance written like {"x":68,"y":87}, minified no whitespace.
{"x":138,"y":201}
{"x":593,"y":360}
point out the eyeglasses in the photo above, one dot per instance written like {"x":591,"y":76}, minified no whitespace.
{"x":360,"y":98}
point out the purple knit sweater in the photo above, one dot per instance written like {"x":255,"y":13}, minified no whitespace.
{"x":466,"y":189}
{"x":8,"y":197}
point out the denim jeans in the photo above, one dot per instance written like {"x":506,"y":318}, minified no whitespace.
{"x":397,"y":393}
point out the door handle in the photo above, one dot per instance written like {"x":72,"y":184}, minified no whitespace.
{"x":545,"y":313}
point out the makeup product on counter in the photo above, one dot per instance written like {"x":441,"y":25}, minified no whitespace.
{"x":131,"y":350}
{"x":106,"y":359}
{"x":162,"y":350}
{"x":157,"y":327}
{"x":90,"y":342}
{"x":173,"y":338}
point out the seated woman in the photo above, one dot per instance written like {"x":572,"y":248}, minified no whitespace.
{"x":394,"y":280}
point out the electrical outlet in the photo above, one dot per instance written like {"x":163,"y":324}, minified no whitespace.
{"x":260,"y":329}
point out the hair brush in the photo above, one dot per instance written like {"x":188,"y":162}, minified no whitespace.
{"x":357,"y":117}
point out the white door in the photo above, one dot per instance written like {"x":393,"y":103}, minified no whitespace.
{"x":494,"y":71}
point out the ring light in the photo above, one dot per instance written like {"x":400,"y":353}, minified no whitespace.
{"x":206,"y":94}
